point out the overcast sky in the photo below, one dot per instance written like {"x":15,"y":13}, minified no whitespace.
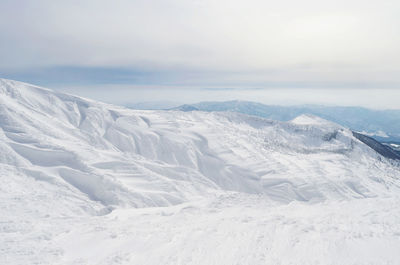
{"x":284,"y":52}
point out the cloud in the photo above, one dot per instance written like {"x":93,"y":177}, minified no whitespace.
{"x":205,"y":42}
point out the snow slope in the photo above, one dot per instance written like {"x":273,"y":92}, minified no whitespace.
{"x":83,"y":182}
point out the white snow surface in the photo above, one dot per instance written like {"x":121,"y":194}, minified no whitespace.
{"x":84,"y":182}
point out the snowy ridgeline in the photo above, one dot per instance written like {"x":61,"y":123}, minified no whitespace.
{"x":383,"y":125}
{"x":68,"y":165}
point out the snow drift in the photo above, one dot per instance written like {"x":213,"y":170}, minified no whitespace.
{"x":63,"y":156}
{"x":121,"y":157}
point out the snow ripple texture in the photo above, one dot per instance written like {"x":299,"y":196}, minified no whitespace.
{"x":84,"y":182}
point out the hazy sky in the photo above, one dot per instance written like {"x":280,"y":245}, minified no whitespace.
{"x":288,"y":52}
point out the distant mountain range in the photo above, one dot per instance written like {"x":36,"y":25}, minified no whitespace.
{"x":382,"y":125}
{"x":153,"y":105}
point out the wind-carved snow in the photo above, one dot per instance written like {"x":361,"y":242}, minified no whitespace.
{"x":83,"y":182}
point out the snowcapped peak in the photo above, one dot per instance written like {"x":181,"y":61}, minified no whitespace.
{"x":309,"y":119}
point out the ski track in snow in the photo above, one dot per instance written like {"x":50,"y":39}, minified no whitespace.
{"x":83,"y":182}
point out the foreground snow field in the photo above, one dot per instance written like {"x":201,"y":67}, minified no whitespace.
{"x":83,"y":182}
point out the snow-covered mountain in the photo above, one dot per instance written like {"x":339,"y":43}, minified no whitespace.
{"x":383,"y":125}
{"x":83,"y":182}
